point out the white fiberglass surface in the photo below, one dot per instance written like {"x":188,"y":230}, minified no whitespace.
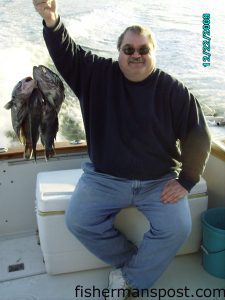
{"x":184,"y":275}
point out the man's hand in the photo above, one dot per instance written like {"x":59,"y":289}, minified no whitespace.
{"x":47,"y":9}
{"x":173,"y":191}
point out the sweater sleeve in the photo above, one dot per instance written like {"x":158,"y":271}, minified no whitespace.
{"x":73,"y":63}
{"x":195,"y":139}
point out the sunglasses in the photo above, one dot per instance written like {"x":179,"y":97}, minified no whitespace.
{"x":130,"y":50}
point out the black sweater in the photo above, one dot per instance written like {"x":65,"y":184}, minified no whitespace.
{"x":135,"y":130}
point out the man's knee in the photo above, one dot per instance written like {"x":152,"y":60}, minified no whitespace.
{"x":182,"y":229}
{"x":75,"y":215}
{"x":180,"y":224}
{"x":71,"y":221}
{"x":176,"y":230}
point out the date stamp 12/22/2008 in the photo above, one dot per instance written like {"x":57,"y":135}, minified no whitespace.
{"x":206,"y":40}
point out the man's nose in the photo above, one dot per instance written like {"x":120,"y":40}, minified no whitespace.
{"x":136,"y":53}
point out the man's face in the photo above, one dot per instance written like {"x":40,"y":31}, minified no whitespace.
{"x":136,"y":66}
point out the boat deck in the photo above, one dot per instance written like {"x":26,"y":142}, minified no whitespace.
{"x":185,"y":275}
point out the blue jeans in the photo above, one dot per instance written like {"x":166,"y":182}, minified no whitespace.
{"x":90,"y":217}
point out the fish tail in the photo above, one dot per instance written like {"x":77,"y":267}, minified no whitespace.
{"x":28,"y":152}
{"x":35,"y":154}
{"x":49,"y":153}
{"x":34,"y":122}
{"x":34,"y":138}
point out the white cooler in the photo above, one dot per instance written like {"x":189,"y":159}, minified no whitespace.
{"x":63,"y":253}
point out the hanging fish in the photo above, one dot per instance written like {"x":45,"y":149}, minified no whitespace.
{"x":48,"y":129}
{"x":34,"y":108}
{"x":19,"y":112}
{"x":50,"y":85}
{"x":52,"y":90}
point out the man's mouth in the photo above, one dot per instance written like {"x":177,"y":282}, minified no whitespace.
{"x":136,"y":61}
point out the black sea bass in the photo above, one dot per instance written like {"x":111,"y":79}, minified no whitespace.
{"x":52,"y":90}
{"x":35,"y":105}
{"x":23,"y":105}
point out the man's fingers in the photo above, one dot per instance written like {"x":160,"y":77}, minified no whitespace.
{"x":38,"y":2}
{"x":173,"y":191}
{"x":170,"y":196}
{"x":41,"y":4}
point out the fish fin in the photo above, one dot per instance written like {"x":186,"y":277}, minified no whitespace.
{"x":9,"y":105}
{"x":34,"y":115}
{"x":32,"y":137}
{"x":42,"y":140}
{"x":21,"y":136}
{"x":48,"y":100}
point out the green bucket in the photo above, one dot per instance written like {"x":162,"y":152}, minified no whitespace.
{"x":213,"y":242}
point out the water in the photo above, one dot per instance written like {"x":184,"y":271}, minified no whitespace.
{"x":97,"y":24}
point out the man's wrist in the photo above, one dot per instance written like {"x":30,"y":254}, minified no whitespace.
{"x":187,"y":184}
{"x":51,"y":23}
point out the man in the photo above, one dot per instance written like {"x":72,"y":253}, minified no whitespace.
{"x":148,"y":144}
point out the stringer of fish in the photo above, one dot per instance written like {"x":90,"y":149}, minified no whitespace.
{"x":35,"y":105}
